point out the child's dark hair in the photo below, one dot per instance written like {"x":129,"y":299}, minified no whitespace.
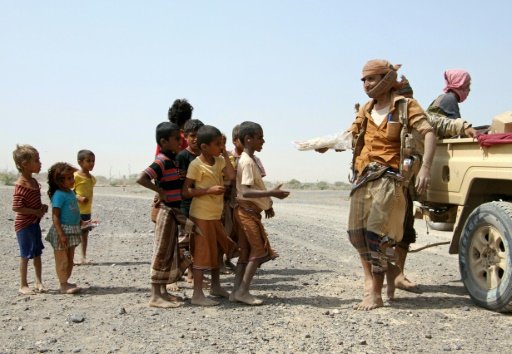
{"x":83,"y":154}
{"x":192,"y":126}
{"x":248,"y":129}
{"x":235,"y":132}
{"x":180,"y":112}
{"x":56,"y":175}
{"x":206,"y":134}
{"x":165,"y":130}
{"x":23,"y":154}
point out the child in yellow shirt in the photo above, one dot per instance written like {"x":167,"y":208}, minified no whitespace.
{"x":205,"y":184}
{"x":83,"y":188}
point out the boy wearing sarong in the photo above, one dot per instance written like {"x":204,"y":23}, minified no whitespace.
{"x":252,"y":199}
{"x":165,"y":265}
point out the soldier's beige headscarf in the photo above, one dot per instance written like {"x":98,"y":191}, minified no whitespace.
{"x":381,"y":67}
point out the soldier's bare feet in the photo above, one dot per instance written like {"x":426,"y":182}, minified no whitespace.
{"x":402,"y":283}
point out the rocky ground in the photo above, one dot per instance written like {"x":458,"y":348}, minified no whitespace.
{"x":309,"y":293}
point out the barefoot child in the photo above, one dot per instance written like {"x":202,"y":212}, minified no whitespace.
{"x":184,"y":158}
{"x":252,"y":198}
{"x":226,"y":267}
{"x":84,"y":185}
{"x":165,"y":268}
{"x":204,"y":183}
{"x":230,"y":202}
{"x":26,"y":203}
{"x":65,"y":233}
{"x":233,"y":229}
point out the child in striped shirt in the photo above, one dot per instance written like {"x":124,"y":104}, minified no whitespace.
{"x":29,"y":210}
{"x":165,"y":265}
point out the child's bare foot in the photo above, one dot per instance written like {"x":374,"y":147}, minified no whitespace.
{"x":273,"y":254}
{"x":25,"y":290}
{"x":203,"y":301}
{"x":370,"y":302}
{"x":83,"y":261}
{"x":232,"y":296}
{"x":224,"y":270}
{"x":39,"y":288}
{"x":173,"y":287}
{"x":219,"y":292}
{"x":160,"y":302}
{"x":68,"y":288}
{"x":172,"y":298}
{"x":229,"y":265}
{"x":246,"y":298}
{"x":206,"y":283}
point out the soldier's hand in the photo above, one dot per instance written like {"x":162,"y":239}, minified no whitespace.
{"x":422,"y":179}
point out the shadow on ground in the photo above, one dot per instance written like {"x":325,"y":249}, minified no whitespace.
{"x":108,"y":290}
{"x":123,"y":263}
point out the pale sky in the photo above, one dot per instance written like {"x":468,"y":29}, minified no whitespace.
{"x":101,"y":74}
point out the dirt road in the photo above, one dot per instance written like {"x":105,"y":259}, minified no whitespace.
{"x":309,"y":292}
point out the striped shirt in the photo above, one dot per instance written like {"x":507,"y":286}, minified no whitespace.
{"x":24,"y":197}
{"x":164,"y":170}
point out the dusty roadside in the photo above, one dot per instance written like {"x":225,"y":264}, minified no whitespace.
{"x":309,"y":292}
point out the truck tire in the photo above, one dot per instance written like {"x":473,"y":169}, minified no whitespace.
{"x":485,"y":256}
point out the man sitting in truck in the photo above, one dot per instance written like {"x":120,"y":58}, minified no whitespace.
{"x":456,"y":90}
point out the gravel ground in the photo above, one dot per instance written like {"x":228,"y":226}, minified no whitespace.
{"x":309,"y":293}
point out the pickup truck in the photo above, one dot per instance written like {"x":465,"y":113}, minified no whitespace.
{"x":471,"y":189}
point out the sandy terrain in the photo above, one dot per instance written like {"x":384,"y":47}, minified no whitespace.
{"x":309,"y":292}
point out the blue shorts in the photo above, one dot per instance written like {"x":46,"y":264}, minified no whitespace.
{"x":86,"y":217}
{"x":30,"y":241}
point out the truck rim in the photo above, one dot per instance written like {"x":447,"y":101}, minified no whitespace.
{"x":488,"y":257}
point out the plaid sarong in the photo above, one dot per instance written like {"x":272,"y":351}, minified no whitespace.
{"x":73,"y":234}
{"x":379,"y":206}
{"x":167,"y":266}
{"x":376,"y":219}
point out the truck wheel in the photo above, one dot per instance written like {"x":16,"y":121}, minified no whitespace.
{"x":485,"y":256}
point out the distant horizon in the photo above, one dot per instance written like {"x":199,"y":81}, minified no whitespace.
{"x":41,"y":177}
